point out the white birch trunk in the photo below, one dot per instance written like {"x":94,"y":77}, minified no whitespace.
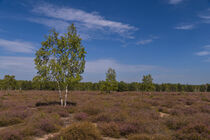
{"x":60,"y":94}
{"x":66,"y":95}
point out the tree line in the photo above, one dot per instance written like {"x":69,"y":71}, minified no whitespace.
{"x":9,"y":83}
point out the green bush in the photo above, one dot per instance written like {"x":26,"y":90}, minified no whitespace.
{"x":80,"y":131}
{"x":110,"y":129}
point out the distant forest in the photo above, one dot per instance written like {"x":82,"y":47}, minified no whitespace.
{"x":12,"y":84}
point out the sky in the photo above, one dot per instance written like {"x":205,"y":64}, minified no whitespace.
{"x":169,"y":39}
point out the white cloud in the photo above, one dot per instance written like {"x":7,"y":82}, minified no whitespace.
{"x":102,"y":65}
{"x":175,"y":1}
{"x":95,"y":70}
{"x":203,"y":53}
{"x":52,"y":23}
{"x":143,"y":42}
{"x":204,"y":16}
{"x":207,"y":47}
{"x":59,"y":25}
{"x":88,"y":20}
{"x":16,"y":63}
{"x":17,"y":46}
{"x":21,"y":67}
{"x":185,"y":27}
{"x":147,"y":41}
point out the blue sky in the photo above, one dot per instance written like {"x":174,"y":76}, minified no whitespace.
{"x":169,"y":39}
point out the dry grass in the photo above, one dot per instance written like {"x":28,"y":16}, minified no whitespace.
{"x":127,"y":115}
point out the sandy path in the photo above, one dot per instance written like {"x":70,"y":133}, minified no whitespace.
{"x":163,"y":114}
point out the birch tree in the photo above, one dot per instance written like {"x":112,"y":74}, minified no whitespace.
{"x":111,"y":83}
{"x":61,"y":59}
{"x":9,"y":82}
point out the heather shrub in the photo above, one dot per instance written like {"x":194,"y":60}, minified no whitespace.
{"x":139,"y":137}
{"x":192,"y":136}
{"x":11,"y":135}
{"x":120,"y":116}
{"x":13,"y":116}
{"x":205,"y":108}
{"x":206,"y":99}
{"x":42,"y":123}
{"x":80,"y":131}
{"x":71,"y":109}
{"x":62,"y":112}
{"x":4,"y":121}
{"x":1,"y":103}
{"x":175,"y":123}
{"x":103,"y":117}
{"x":148,"y":137}
{"x":193,"y":131}
{"x":128,"y":128}
{"x":117,"y":115}
{"x":92,"y":110}
{"x":189,"y":102}
{"x":81,"y":116}
{"x":109,"y":129}
{"x":162,"y":109}
{"x":161,"y":137}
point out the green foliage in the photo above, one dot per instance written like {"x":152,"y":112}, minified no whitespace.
{"x":110,"y":75}
{"x":110,"y":84}
{"x":1,"y":84}
{"x":122,"y":86}
{"x":9,"y":82}
{"x":147,"y":79}
{"x":61,"y":58}
{"x":101,"y":85}
{"x":147,"y":84}
{"x":80,"y":131}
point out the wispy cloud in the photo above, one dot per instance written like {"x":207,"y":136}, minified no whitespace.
{"x":52,"y":23}
{"x":59,"y":25}
{"x":203,"y":53}
{"x":88,"y":20}
{"x":206,"y":47}
{"x":147,"y":41}
{"x":21,"y":67}
{"x":205,"y":16}
{"x":101,"y":66}
{"x":185,"y":27}
{"x":143,"y":42}
{"x":95,"y":70}
{"x":174,"y":2}
{"x":17,"y":46}
{"x":17,"y":63}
